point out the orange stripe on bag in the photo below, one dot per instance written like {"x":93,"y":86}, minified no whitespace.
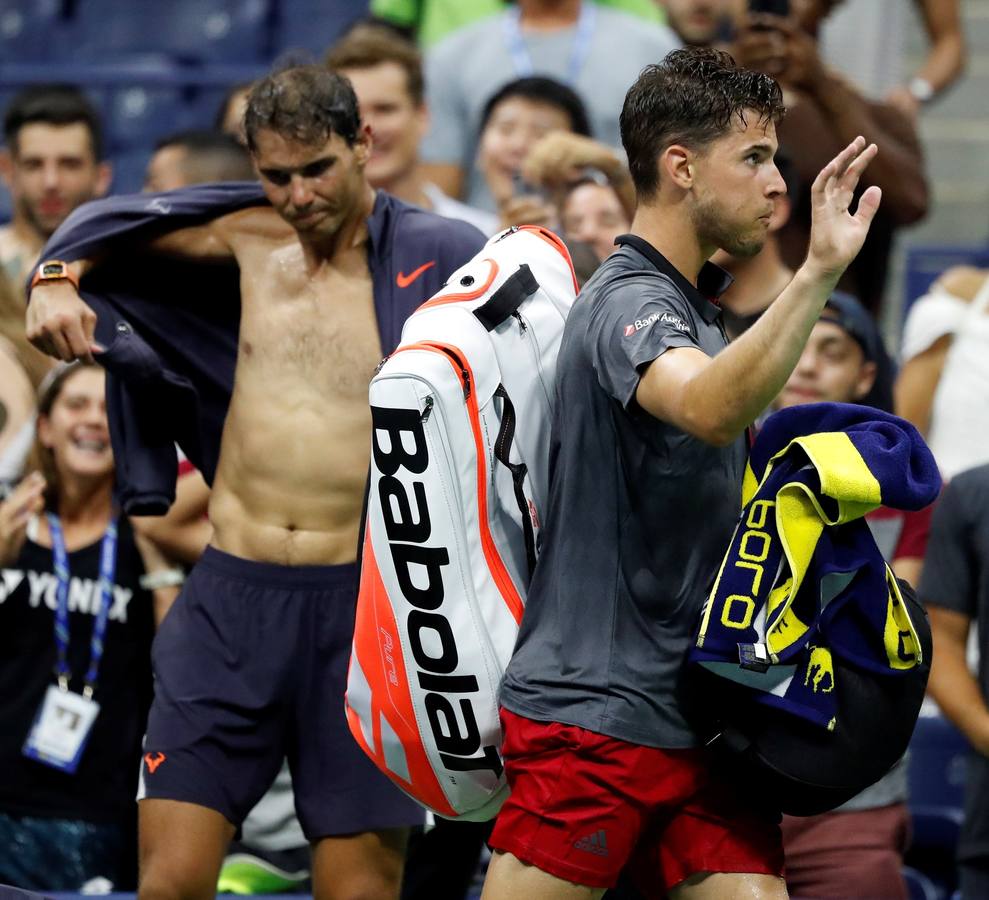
{"x":556,"y":243}
{"x":378,"y":650}
{"x":466,"y":295}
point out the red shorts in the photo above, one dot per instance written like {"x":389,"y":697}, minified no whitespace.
{"x":584,"y":807}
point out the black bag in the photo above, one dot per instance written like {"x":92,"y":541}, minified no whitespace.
{"x":797,"y":767}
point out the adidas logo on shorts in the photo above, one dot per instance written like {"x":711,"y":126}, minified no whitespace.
{"x":593,"y":843}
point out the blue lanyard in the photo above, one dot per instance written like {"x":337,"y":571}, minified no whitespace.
{"x":108,"y":566}
{"x":522,"y":60}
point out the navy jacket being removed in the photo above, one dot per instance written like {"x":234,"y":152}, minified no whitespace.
{"x":170,"y":326}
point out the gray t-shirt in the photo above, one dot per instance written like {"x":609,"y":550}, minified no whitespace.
{"x":956,"y":576}
{"x":640,"y":513}
{"x":463,"y":70}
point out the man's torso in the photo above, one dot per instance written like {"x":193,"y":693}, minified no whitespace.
{"x":640,"y":515}
{"x":293,"y":460}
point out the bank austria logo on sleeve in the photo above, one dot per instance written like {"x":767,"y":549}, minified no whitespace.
{"x":666,"y":318}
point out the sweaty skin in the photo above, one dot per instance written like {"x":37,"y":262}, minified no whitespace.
{"x":293,"y":459}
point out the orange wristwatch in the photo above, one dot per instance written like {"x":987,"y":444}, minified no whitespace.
{"x":54,"y":270}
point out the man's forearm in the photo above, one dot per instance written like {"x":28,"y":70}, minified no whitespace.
{"x":957,"y":693}
{"x":742,"y":380}
{"x":946,"y":57}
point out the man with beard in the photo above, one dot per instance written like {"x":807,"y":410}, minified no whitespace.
{"x":648,"y":449}
{"x":52,"y":165}
{"x":700,"y":23}
{"x":251,"y":666}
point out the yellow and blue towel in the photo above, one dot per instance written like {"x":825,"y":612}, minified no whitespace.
{"x":803,"y":580}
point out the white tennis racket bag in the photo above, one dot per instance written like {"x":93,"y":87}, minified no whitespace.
{"x":459,"y":478}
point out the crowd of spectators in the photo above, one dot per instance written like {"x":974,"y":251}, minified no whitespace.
{"x":496,"y":114}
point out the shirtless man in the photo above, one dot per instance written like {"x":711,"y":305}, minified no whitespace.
{"x":251,"y":663}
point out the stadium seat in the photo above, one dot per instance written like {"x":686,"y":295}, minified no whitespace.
{"x":29,"y":30}
{"x":920,"y":887}
{"x":936,"y":775}
{"x":203,"y":105}
{"x":196,"y":31}
{"x":312,"y":25}
{"x":139,"y":115}
{"x":936,"y":767}
{"x":7,"y":93}
{"x":129,"y":169}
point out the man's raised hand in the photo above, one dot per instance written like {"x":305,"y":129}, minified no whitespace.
{"x":837,"y":234}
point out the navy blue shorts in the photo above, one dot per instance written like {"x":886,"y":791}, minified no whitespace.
{"x":250,"y":667}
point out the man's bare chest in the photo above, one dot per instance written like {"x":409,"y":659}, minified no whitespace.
{"x":322,"y":330}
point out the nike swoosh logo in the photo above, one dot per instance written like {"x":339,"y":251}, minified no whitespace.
{"x":403,"y":281}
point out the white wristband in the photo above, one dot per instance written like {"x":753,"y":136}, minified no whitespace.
{"x":921,"y":89}
{"x":162,"y":578}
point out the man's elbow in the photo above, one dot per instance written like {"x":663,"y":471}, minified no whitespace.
{"x":711,"y":429}
{"x":686,"y":403}
{"x":718,"y":437}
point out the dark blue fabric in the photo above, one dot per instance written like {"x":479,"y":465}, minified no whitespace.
{"x":894,"y":450}
{"x":170,"y":326}
{"x":849,"y":624}
{"x":251,"y":668}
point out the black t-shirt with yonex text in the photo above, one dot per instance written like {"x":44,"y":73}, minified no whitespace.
{"x":103,"y":787}
{"x":640,"y":513}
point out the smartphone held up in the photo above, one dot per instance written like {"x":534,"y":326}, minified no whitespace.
{"x":770,"y":7}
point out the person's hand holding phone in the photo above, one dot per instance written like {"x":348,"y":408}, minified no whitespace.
{"x":779,"y":8}
{"x":777,"y":45}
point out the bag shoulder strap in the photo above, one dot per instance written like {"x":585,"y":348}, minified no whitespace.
{"x":502,"y":451}
{"x":505,"y":301}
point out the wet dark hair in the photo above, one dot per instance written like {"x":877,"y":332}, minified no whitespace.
{"x":302,"y":103}
{"x":52,"y":104}
{"x":692,"y":97}
{"x":542,"y":90}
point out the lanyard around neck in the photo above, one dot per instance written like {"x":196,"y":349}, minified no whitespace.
{"x":522,"y":60}
{"x":108,"y":566}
